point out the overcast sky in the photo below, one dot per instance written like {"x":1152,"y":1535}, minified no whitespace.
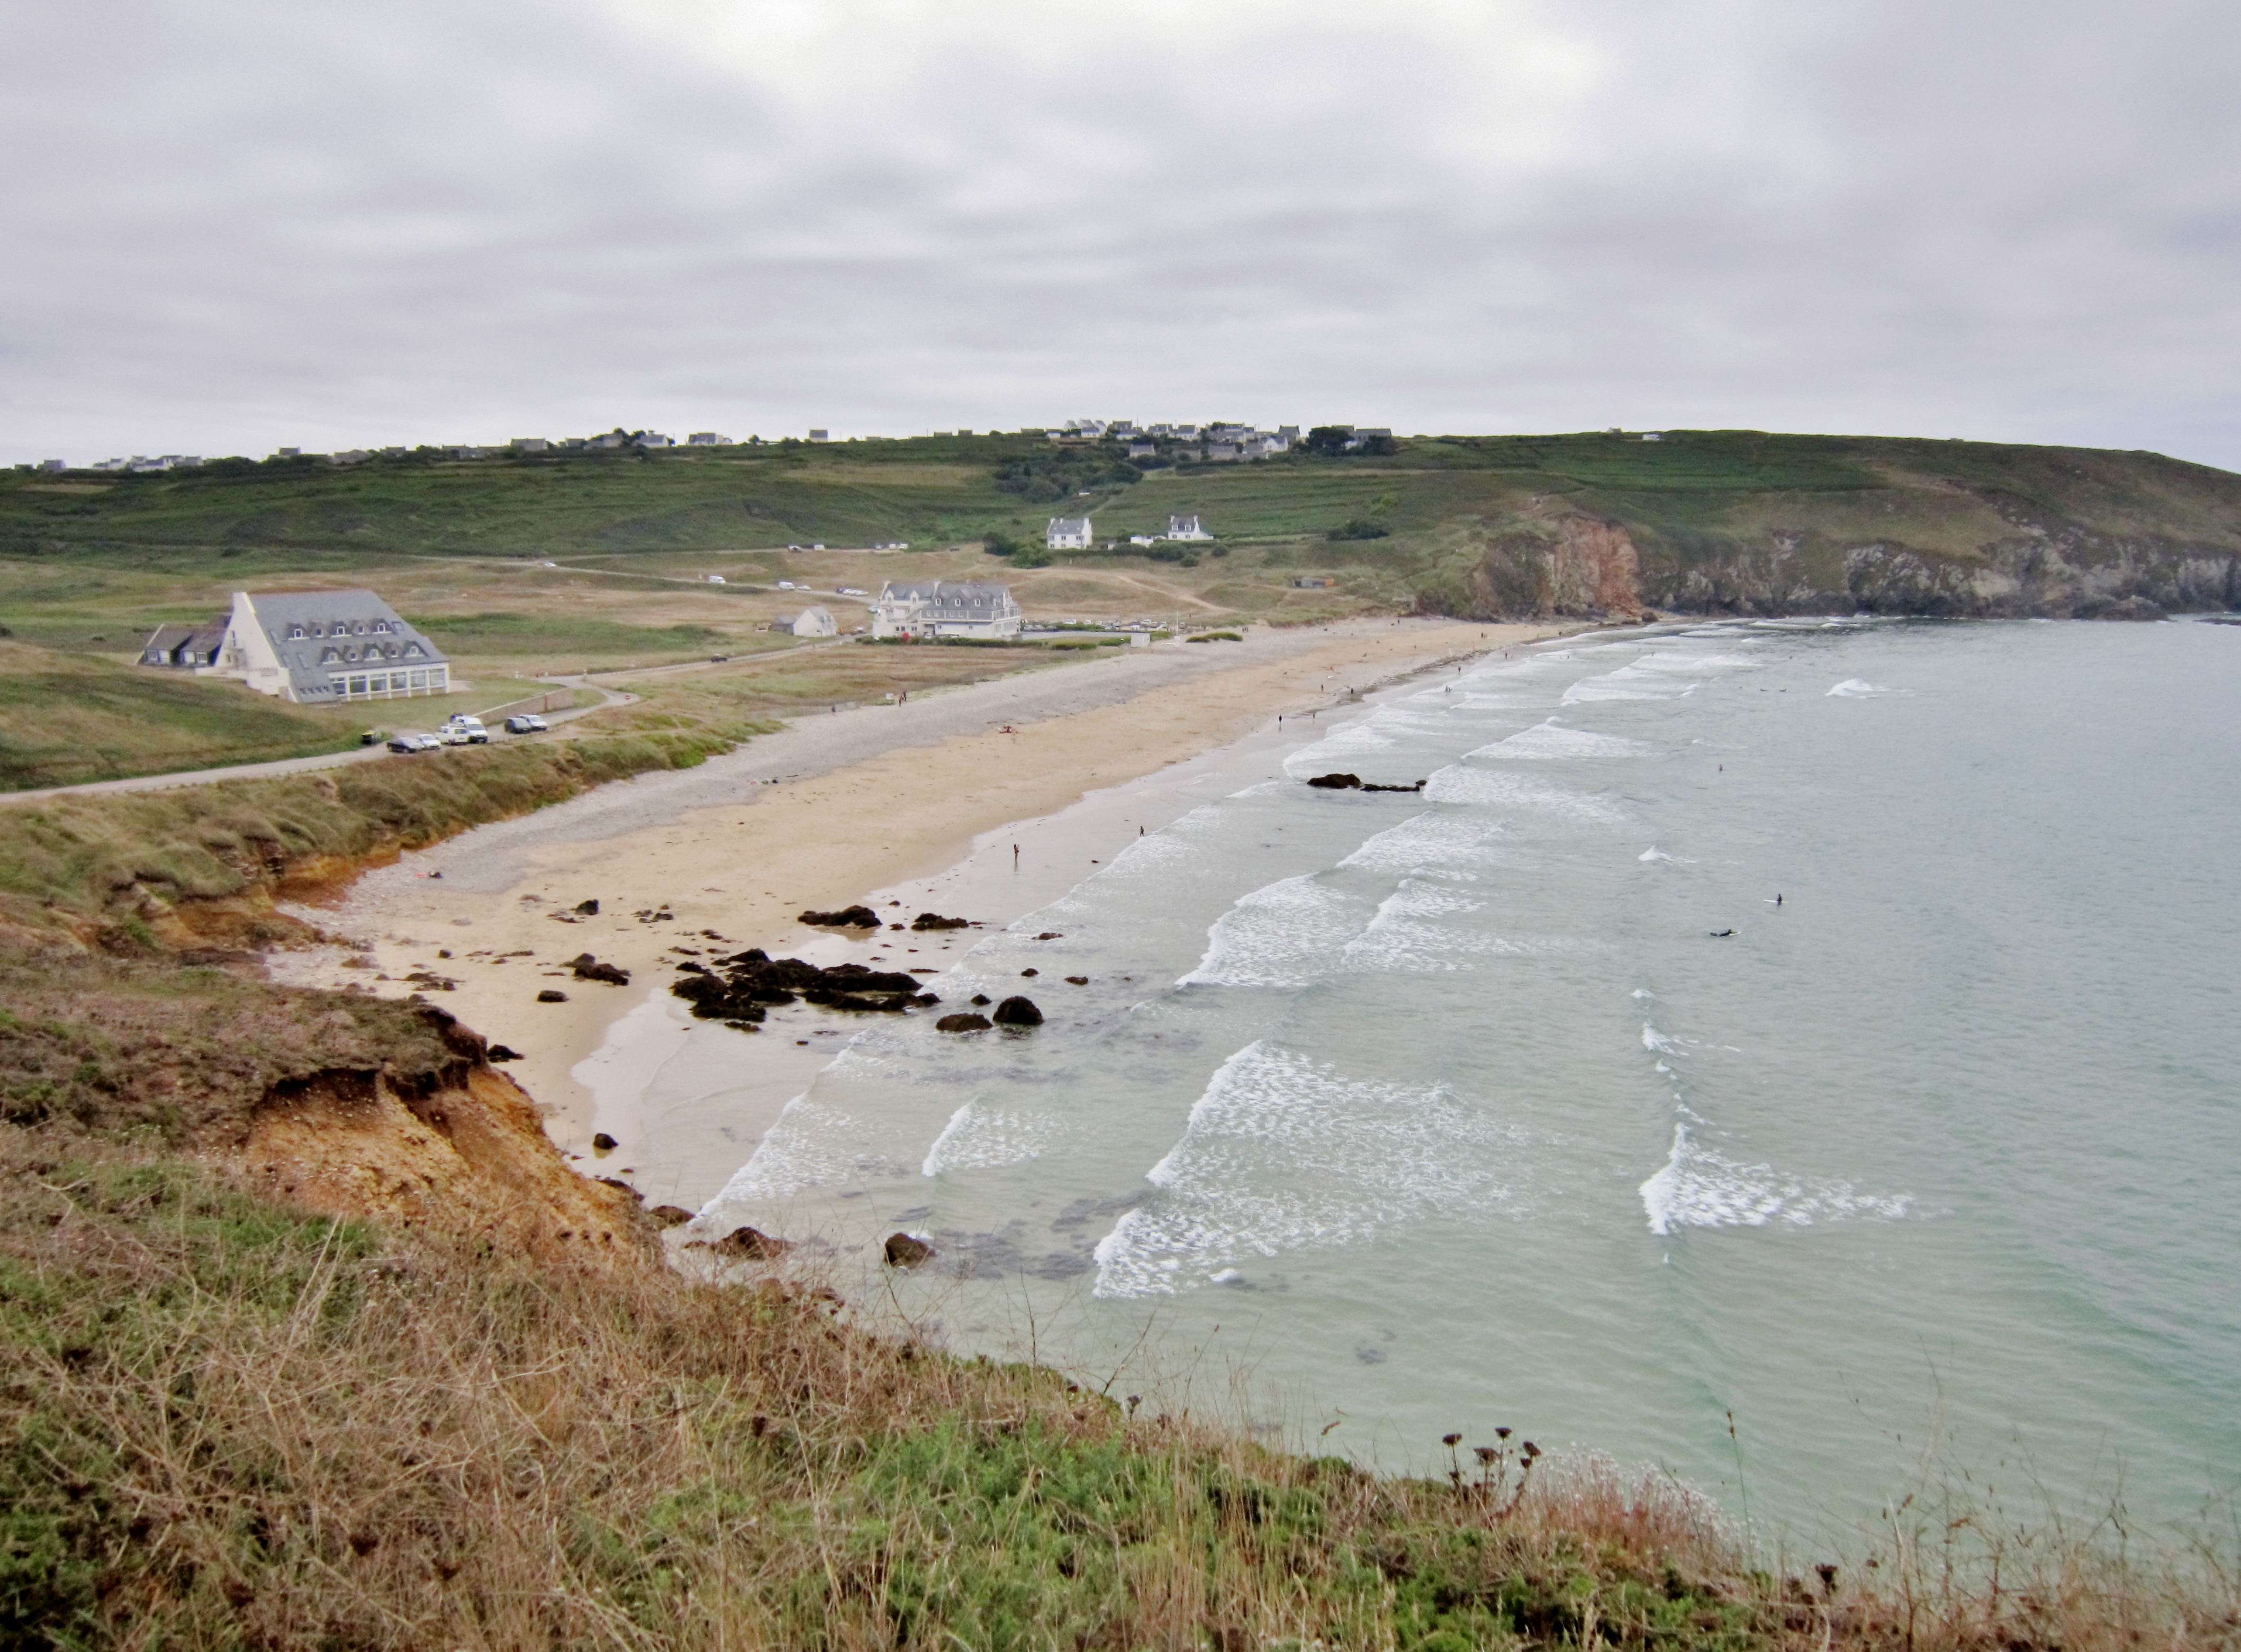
{"x":232,"y":224}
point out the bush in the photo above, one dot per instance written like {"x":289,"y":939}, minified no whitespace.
{"x":1360,"y":527}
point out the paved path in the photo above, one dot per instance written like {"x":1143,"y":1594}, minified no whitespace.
{"x":298,"y":764}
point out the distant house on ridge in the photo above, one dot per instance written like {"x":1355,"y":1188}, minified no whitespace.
{"x":1185,"y":527}
{"x":945,"y":608}
{"x":1069,"y":533}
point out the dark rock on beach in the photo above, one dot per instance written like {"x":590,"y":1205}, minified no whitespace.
{"x":963,"y":1021}
{"x":903,"y":1251}
{"x":587,"y":909}
{"x":1337,"y":782}
{"x":981,"y":999}
{"x":588,"y":968}
{"x":1367,"y":787}
{"x":551,"y":995}
{"x":1018,"y":1012}
{"x":604,"y":1143}
{"x":846,"y":918}
{"x":501,"y":1052}
{"x":935,"y":921}
{"x":737,"y":987}
{"x":671,"y":1215}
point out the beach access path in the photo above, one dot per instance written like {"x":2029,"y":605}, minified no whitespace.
{"x":817,"y":814}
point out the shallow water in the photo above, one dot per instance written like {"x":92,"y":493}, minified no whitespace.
{"x":1455,"y":1110}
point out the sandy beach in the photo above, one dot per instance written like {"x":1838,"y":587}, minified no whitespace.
{"x":819,"y":815}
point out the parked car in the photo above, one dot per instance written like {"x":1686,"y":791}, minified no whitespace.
{"x":414,"y":743}
{"x":718,"y":660}
{"x":463,"y":730}
{"x":525,"y":723}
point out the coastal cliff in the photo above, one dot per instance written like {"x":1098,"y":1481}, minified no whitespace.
{"x":1586,"y":568}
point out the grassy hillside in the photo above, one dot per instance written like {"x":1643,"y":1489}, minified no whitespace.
{"x":227,"y":1422}
{"x":1712,"y":519}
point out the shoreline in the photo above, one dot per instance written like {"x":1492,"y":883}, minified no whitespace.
{"x":734,"y":850}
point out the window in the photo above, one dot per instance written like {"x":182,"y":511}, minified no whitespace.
{"x":357,"y":686}
{"x":419,"y":680}
{"x":295,"y":633}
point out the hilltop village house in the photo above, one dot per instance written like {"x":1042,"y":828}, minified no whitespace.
{"x":1069,"y":533}
{"x":1185,"y":527}
{"x":929,"y":608}
{"x":326,"y":647}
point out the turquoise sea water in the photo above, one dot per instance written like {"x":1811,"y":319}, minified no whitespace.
{"x":1415,"y":1114}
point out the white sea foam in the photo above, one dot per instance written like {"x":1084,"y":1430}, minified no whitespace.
{"x":980,"y":1137}
{"x":810,"y":1146}
{"x":1411,"y":932}
{"x":1855,"y":688}
{"x":1683,"y":662}
{"x":1425,"y":839}
{"x":1279,"y":1153}
{"x":1654,"y":1039}
{"x":1508,"y":789}
{"x":1636,"y":681}
{"x":1696,"y":1188}
{"x":1551,"y":742}
{"x":1653,"y":854}
{"x":1284,"y":934}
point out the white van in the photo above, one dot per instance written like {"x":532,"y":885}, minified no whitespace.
{"x":463,"y":730}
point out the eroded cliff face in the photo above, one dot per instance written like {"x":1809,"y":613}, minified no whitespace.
{"x":1573,"y":567}
{"x":1584,"y":568}
{"x":459,"y":1150}
{"x":340,"y":1102}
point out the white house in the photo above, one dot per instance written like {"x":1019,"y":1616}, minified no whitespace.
{"x":816,"y":622}
{"x":1069,"y":533}
{"x":324,"y":648}
{"x":1185,"y":527}
{"x":945,"y":608}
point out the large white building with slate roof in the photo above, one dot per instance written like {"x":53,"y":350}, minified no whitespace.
{"x":326,"y":647}
{"x":945,"y":608}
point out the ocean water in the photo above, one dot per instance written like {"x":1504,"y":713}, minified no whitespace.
{"x":1524,"y":1101}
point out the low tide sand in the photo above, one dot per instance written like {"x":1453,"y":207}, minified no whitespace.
{"x":744,"y":866}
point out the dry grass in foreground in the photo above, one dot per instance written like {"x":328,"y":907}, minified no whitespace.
{"x":228,"y":1424}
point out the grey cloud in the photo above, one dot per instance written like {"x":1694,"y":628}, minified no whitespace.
{"x":235,"y":224}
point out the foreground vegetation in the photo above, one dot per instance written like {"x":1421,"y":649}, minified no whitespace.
{"x":228,"y":1424}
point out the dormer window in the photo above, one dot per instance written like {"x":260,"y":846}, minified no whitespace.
{"x":359,"y":629}
{"x":295,"y":633}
